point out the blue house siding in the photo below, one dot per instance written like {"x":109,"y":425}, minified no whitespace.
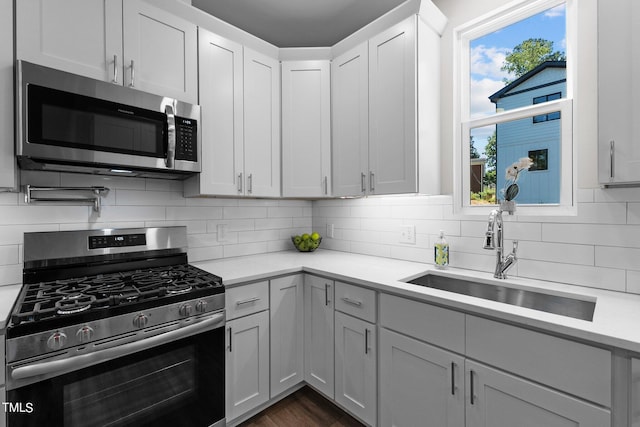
{"x":516,"y":139}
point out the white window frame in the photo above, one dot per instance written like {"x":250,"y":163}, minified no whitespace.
{"x":463,"y":35}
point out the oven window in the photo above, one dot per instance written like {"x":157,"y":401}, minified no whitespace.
{"x":131,"y":392}
{"x":70,"y":120}
{"x":175,"y":384}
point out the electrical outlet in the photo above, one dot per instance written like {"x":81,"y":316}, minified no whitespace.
{"x":408,"y":234}
{"x":330,"y":231}
{"x":222,"y":231}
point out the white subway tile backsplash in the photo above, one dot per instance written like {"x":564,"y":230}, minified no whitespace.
{"x":616,"y":257}
{"x":149,"y":198}
{"x":594,"y":277}
{"x":633,"y":281}
{"x":233,"y":212}
{"x":556,"y":252}
{"x":9,"y":254}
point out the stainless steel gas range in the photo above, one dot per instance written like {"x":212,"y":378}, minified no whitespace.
{"x":114,"y":327}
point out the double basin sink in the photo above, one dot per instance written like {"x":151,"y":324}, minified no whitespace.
{"x":556,"y":304}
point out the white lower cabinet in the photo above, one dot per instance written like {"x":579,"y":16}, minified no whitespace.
{"x":355,"y":366}
{"x":319,"y":334}
{"x":542,"y":380}
{"x":287,"y":340}
{"x":420,"y":385}
{"x":247,"y":363}
{"x":498,"y":399}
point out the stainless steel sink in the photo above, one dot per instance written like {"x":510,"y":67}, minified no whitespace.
{"x":564,"y":306}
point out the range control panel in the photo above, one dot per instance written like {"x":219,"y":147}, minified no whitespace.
{"x":117,"y":241}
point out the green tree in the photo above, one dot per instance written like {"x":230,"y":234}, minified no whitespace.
{"x":528,"y":55}
{"x":490,"y":150}
{"x":473,"y":150}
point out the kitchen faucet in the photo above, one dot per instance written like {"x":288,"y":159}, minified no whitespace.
{"x":494,"y":240}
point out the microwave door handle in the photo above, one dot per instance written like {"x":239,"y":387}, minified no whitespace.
{"x":171,"y":136}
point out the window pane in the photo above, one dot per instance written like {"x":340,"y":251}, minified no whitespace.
{"x":519,"y":63}
{"x":501,"y":146}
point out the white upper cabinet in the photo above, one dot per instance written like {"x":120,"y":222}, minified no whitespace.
{"x":350,"y":121}
{"x":160,"y":52}
{"x":261,"y":124}
{"x":128,"y":43}
{"x":240,"y":100}
{"x":221,"y":96}
{"x":306,"y":129}
{"x":618,"y":92}
{"x":392,"y":110}
{"x":385,"y":104}
{"x":7,"y":158}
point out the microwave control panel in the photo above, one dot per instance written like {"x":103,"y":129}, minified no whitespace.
{"x":186,"y":139}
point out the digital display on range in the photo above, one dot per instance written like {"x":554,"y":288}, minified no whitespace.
{"x":101,"y":242}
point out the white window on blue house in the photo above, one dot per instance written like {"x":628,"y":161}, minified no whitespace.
{"x":514,"y":100}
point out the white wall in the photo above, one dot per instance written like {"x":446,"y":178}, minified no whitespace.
{"x":599,"y":248}
{"x":254,"y":225}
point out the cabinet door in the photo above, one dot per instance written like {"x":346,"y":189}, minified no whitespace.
{"x":356,"y":366}
{"x":7,"y":157}
{"x":78,"y":36}
{"x":419,"y":384}
{"x":160,"y":52}
{"x":392,"y":110}
{"x":220,"y":69}
{"x":287,"y":329}
{"x":350,"y":122}
{"x":497,"y":399}
{"x":247,"y":370}
{"x":261,"y":124}
{"x":306,"y":129}
{"x":318,"y":334}
{"x":635,"y":393}
{"x":618,"y":92}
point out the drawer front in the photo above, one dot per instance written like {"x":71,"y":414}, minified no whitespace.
{"x":575,"y":368}
{"x":435,"y":325}
{"x":247,"y":299}
{"x":356,"y":301}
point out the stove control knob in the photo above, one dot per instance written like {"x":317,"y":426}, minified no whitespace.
{"x":57,"y":341}
{"x":201,"y":306}
{"x":85,"y":334}
{"x":185,"y":310}
{"x":140,"y":321}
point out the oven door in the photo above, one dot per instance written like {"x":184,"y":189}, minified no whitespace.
{"x":178,"y":383}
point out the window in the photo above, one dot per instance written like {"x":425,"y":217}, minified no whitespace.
{"x":546,"y":98}
{"x":539,"y":159}
{"x":512,"y":105}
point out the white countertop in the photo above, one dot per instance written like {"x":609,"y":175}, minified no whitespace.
{"x":8,"y":295}
{"x":616,"y":320}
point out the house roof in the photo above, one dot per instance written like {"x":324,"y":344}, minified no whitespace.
{"x":547,"y":64}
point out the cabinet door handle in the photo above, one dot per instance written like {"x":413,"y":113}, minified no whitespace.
{"x":363,"y":185}
{"x":453,"y":378}
{"x":230,"y":338}
{"x":352,"y":301}
{"x":247,"y":301}
{"x":250,"y":183}
{"x":326,"y":186}
{"x":326,"y":294}
{"x":115,"y":69}
{"x":612,"y":147}
{"x":240,"y":183}
{"x":133,"y":74}
{"x":472,"y":397}
{"x":366,"y":341}
{"x":372,"y":179}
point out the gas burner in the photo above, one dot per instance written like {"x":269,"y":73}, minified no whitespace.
{"x":178,"y":288}
{"x":74,"y":304}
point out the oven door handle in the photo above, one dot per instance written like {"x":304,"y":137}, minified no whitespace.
{"x":88,"y":359}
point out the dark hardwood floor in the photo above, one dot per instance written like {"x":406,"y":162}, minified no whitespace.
{"x":304,"y":408}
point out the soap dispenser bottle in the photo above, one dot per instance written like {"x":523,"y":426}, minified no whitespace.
{"x":441,"y":252}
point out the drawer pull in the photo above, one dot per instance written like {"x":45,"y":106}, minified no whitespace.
{"x":247,"y":301}
{"x":352,"y":301}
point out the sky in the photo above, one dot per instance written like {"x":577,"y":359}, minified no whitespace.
{"x":488,"y":53}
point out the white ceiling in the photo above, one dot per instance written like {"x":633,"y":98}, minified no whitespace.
{"x":298,"y":23}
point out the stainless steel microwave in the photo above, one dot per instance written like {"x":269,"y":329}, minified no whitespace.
{"x":71,"y":123}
